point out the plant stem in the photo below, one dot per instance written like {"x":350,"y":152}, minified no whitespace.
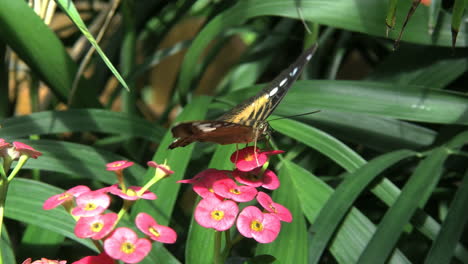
{"x":217,"y":248}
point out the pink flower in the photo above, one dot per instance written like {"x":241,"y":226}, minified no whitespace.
{"x":204,"y":184}
{"x":44,"y":261}
{"x":118,"y":165}
{"x":68,"y":195}
{"x":228,"y":188}
{"x":163,"y":168}
{"x":262,"y":227}
{"x":214,"y":213}
{"x":426,"y":2}
{"x":276,"y":209}
{"x":125,"y":245}
{"x":26,"y":150}
{"x":4,"y":144}
{"x":268,"y":180}
{"x":102,"y":258}
{"x":91,"y":204}
{"x":249,"y":158}
{"x":95,"y":227}
{"x":132,"y":193}
{"x":156,"y":232}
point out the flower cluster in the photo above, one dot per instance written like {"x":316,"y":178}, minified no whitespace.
{"x":89,"y":207}
{"x":219,"y":208}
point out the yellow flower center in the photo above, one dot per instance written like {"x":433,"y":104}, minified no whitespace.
{"x":154,"y":231}
{"x":118,"y":164}
{"x":256,"y":226}
{"x":131,"y":192}
{"x":96,"y":227}
{"x":127,"y":248}
{"x":234,"y":191}
{"x":90,"y":207}
{"x":217,"y":215}
{"x":273,"y":208}
{"x":64,"y":196}
{"x":249,"y":157}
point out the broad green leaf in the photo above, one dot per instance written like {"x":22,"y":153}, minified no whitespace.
{"x":80,"y":120}
{"x":69,"y":8}
{"x":77,"y":159}
{"x":37,"y":240}
{"x":346,"y":14}
{"x":321,"y":142}
{"x":295,"y":231}
{"x":201,"y":239}
{"x":408,"y":102}
{"x":430,"y":67}
{"x":178,"y":159}
{"x":39,"y":47}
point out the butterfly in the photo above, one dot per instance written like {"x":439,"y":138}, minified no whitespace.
{"x":246,"y":122}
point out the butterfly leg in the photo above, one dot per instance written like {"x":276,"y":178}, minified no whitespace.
{"x":255,"y":147}
{"x":237,"y":153}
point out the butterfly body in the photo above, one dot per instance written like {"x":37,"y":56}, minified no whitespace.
{"x":247,"y":121}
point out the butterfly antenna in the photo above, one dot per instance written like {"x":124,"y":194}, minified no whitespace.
{"x":284,"y":117}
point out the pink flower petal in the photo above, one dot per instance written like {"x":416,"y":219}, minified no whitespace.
{"x":156,"y":232}
{"x":252,"y":223}
{"x":26,"y":150}
{"x":227,"y":188}
{"x":124,"y":245}
{"x":118,"y":165}
{"x":95,"y":227}
{"x":275,"y":209}
{"x":216,"y":214}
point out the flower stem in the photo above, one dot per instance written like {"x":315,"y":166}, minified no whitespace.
{"x":217,"y":259}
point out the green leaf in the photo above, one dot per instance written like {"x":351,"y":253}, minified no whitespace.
{"x":37,"y":240}
{"x":78,"y":159}
{"x":346,"y":14}
{"x":422,"y":182}
{"x":201,"y":239}
{"x":80,"y":120}
{"x":295,"y":231}
{"x":343,"y":198}
{"x":69,"y":8}
{"x":40,"y":48}
{"x":452,"y":228}
{"x":313,"y":194}
{"x":321,"y":142}
{"x":408,"y":102}
{"x":458,"y":10}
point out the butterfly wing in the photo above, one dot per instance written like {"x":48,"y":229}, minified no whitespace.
{"x":211,"y":131}
{"x":242,"y":123}
{"x":257,"y":108}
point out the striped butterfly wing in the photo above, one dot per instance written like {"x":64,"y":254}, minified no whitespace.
{"x":242,"y":123}
{"x":256,"y":109}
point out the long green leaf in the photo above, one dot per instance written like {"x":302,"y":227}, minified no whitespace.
{"x":313,"y":194}
{"x":343,"y":198}
{"x":69,"y":8}
{"x":43,"y":52}
{"x":80,"y":120}
{"x":452,"y":228}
